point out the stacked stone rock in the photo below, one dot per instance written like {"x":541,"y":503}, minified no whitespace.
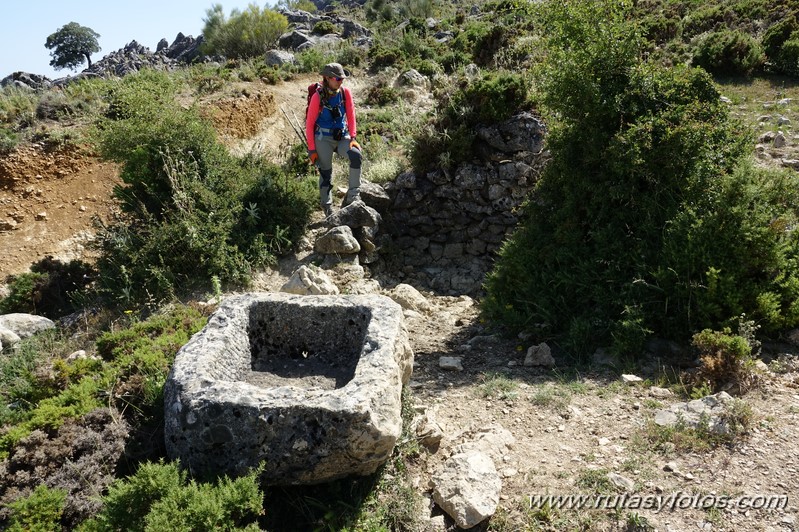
{"x":456,"y":220}
{"x":352,"y":237}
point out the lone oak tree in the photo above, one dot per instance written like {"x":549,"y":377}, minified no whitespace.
{"x":71,"y":45}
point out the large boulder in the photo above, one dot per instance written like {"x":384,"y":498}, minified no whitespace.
{"x":25,"y":325}
{"x":308,"y":385}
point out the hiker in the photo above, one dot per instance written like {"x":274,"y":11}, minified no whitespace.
{"x":330,"y":127}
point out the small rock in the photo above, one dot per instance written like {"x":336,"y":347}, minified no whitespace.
{"x":77,"y":355}
{"x":671,"y":467}
{"x":631,"y":379}
{"x":509,"y":472}
{"x":660,"y":393}
{"x":450,"y":363}
{"x":622,"y":482}
{"x":428,"y":431}
{"x":468,"y":488}
{"x":409,"y":298}
{"x":41,"y":216}
{"x":539,"y":355}
{"x":8,"y":225}
{"x":309,"y":281}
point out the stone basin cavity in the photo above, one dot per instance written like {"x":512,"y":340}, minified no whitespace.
{"x":309,"y":386}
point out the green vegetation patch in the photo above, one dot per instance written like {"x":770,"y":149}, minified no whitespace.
{"x":647,"y":219}
{"x":131,"y":375}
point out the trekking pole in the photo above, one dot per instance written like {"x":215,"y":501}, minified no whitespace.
{"x":296,"y":129}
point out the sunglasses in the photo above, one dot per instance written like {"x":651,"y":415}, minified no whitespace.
{"x":336,"y":78}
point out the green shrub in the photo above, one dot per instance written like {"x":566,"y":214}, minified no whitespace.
{"x":382,"y":95}
{"x":381,"y":56}
{"x":781,"y":45}
{"x":247,"y":33}
{"x":324,"y":27}
{"x":494,"y":97}
{"x":22,"y":289}
{"x":726,"y":362}
{"x":160,"y":497}
{"x":184,"y":195}
{"x":303,"y":5}
{"x":644,"y":219}
{"x":351,"y":55}
{"x":8,"y":140}
{"x":704,"y":19}
{"x":137,"y":361}
{"x":313,"y":60}
{"x":49,"y":288}
{"x":39,"y":512}
{"x":728,"y":52}
{"x":17,"y":107}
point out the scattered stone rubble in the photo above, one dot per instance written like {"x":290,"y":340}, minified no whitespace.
{"x":708,"y":410}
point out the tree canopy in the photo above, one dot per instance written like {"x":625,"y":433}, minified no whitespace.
{"x":71,"y":45}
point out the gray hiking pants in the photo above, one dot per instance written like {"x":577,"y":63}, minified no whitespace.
{"x":326,"y":146}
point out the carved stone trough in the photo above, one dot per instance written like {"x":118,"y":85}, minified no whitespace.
{"x":309,"y":385}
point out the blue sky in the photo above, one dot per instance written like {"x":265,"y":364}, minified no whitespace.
{"x":27,"y":23}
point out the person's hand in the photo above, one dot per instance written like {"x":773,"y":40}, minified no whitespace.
{"x":313,"y":156}
{"x":354,"y":144}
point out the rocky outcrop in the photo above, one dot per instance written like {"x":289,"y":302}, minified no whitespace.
{"x":134,"y":57}
{"x":26,"y":80}
{"x":301,"y":36}
{"x":308,"y":385}
{"x":128,"y":59}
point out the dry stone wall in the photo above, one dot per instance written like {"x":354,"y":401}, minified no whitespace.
{"x":456,"y":221}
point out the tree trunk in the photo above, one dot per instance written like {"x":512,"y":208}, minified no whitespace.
{"x":89,"y":59}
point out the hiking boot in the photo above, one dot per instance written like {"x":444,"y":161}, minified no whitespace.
{"x":328,"y":209}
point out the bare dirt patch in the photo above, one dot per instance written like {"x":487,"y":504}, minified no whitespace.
{"x":240,"y":117}
{"x":48,"y":200}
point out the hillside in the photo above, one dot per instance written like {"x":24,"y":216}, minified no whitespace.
{"x":570,"y":426}
{"x":562,"y":426}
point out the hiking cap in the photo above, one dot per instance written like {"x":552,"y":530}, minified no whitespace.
{"x":335,"y":70}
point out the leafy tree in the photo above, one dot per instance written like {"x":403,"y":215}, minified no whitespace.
{"x":245,"y":34}
{"x":646,"y":220}
{"x":72,"y":45}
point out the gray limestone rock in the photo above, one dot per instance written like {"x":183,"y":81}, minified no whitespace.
{"x":467,"y":488}
{"x":338,"y":241}
{"x":356,"y":214}
{"x":309,"y":281}
{"x":25,"y":325}
{"x":539,"y":355}
{"x":308,"y":385}
{"x":409,"y":298}
{"x":8,"y":338}
{"x":279,"y":58}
